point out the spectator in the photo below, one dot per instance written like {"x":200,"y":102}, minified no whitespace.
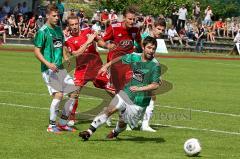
{"x":2,"y":14}
{"x":81,"y":13}
{"x":96,"y":27}
{"x":6,"y":8}
{"x":71,"y":13}
{"x":12,"y":30}
{"x":173,"y":36}
{"x":40,"y":22}
{"x":220,"y":27}
{"x":183,"y":36}
{"x":112,"y":17}
{"x":21,"y":26}
{"x":24,"y":8}
{"x":230,"y":24}
{"x":61,"y":9}
{"x":196,"y":12}
{"x":3,"y":31}
{"x":104,"y":19}
{"x":31,"y":28}
{"x":174,"y":15}
{"x":182,"y":16}
{"x":200,"y":38}
{"x":189,"y":30}
{"x":210,"y":33}
{"x":18,"y":9}
{"x":96,"y":17}
{"x":236,"y":40}
{"x":208,"y":16}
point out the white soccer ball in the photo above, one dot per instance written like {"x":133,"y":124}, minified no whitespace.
{"x":192,"y":147}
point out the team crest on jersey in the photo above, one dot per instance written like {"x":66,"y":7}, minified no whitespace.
{"x":138,"y":75}
{"x":57,"y":43}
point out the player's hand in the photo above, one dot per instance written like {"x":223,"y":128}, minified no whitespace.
{"x":53,"y":67}
{"x":135,"y":88}
{"x":103,"y":70}
{"x":111,"y":46}
{"x":91,"y":37}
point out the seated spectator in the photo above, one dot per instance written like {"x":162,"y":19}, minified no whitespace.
{"x":66,"y":32}
{"x":12,"y":29}
{"x":3,"y":31}
{"x":173,"y":35}
{"x":96,"y":17}
{"x":96,"y":27}
{"x":104,"y":19}
{"x":189,"y":30}
{"x":183,"y":35}
{"x":220,"y":27}
{"x":113,"y":17}
{"x":230,"y":25}
{"x":21,"y":26}
{"x":31,"y":28}
{"x":210,"y":33}
{"x":40,"y":22}
{"x":200,"y":38}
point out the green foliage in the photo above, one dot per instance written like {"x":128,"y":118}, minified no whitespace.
{"x":221,"y":8}
{"x":87,"y":10}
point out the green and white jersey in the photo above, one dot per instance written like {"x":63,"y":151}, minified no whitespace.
{"x":50,"y":40}
{"x":144,"y":73}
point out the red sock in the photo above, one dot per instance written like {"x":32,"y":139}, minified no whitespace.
{"x":72,"y":116}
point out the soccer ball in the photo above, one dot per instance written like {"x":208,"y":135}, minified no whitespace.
{"x":192,"y":147}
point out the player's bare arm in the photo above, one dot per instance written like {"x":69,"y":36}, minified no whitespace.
{"x":81,"y":50}
{"x":150,"y":87}
{"x":39,"y":56}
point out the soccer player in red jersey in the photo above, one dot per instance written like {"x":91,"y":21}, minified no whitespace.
{"x":122,"y":34}
{"x":81,"y":44}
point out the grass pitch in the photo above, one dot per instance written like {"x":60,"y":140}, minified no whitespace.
{"x":204,"y":104}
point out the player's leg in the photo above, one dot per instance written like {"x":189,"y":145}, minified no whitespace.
{"x":120,"y":127}
{"x":147,"y":116}
{"x":115,"y":105}
{"x":57,"y":97}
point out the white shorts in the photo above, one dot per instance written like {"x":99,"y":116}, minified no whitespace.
{"x":129,"y":112}
{"x":59,"y":81}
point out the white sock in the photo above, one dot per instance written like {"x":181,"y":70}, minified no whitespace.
{"x":99,"y":120}
{"x":54,"y":109}
{"x":148,"y":114}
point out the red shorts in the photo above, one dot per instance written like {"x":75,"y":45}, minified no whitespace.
{"x":87,"y":70}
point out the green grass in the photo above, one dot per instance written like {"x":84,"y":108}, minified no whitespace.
{"x":210,"y":85}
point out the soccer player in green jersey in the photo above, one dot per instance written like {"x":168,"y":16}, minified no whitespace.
{"x":131,"y":102}
{"x":49,"y":50}
{"x":156,"y":32}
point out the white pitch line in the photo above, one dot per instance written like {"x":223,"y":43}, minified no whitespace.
{"x":197,"y":110}
{"x":44,"y":94}
{"x":170,"y":107}
{"x":23,"y":106}
{"x":172,"y":126}
{"x":198,"y":129}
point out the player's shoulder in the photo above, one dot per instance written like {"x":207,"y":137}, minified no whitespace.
{"x":86,"y":30}
{"x":43,"y":28}
{"x":156,"y":62}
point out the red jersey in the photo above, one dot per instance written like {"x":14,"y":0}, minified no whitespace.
{"x":124,"y":38}
{"x":73,"y":43}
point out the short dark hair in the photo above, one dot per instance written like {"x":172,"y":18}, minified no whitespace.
{"x":150,"y":40}
{"x":130,"y":9}
{"x":51,"y":8}
{"x":160,"y":22}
